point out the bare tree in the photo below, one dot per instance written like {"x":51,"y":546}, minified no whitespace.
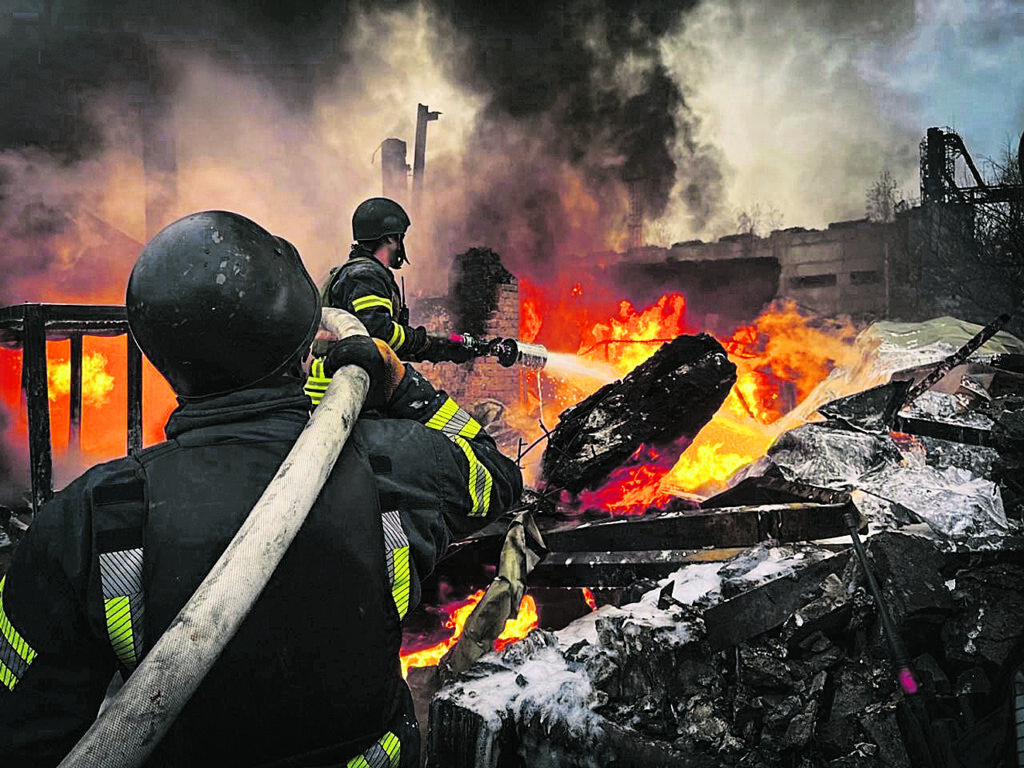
{"x":758,"y":221}
{"x":999,"y":231}
{"x":882,"y":198}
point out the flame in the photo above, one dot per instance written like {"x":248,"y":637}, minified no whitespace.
{"x":780,"y":358}
{"x":458,"y":611}
{"x":530,"y":318}
{"x":625,"y":340}
{"x":104,"y":413}
{"x":589,"y":597}
{"x":97,"y":383}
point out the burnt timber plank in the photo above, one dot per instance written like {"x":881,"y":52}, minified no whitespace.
{"x":762,"y":608}
{"x":726,"y":527}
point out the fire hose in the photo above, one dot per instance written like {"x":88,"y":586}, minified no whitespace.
{"x":521,"y":551}
{"x":141,"y":713}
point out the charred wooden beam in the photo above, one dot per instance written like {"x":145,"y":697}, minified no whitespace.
{"x":75,"y":396}
{"x":134,"y":395}
{"x":730,"y":527}
{"x":670,"y":396}
{"x":773,"y":490}
{"x":619,"y":569}
{"x":62,"y":320}
{"x":768,"y":606}
{"x":38,"y":405}
{"x":956,"y":433}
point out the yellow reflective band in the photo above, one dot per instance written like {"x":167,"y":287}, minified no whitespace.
{"x":400,"y":585}
{"x":397,"y":337}
{"x":366,"y":302}
{"x":397,"y":543}
{"x":444,"y":414}
{"x":393,"y":747}
{"x":14,"y":650}
{"x":316,"y":385}
{"x":7,"y":677}
{"x":452,"y":420}
{"x":480,"y":480}
{"x":386,"y":753}
{"x":119,"y":627}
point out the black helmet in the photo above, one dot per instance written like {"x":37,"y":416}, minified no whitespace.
{"x":378,"y":217}
{"x":217,"y":303}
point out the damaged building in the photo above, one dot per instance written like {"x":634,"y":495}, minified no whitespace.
{"x":811,"y":645}
{"x":852,"y":598}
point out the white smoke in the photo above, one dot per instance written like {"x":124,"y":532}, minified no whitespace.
{"x":784,"y":99}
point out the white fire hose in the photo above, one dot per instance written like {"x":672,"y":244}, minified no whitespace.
{"x":135,"y":720}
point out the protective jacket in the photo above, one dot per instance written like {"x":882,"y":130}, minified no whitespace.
{"x":367,"y":289}
{"x":312,"y":678}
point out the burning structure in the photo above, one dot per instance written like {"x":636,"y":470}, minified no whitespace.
{"x":788,"y":652}
{"x":660,"y":672}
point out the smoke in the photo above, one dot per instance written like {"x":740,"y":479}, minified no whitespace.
{"x":578,"y":111}
{"x":784,"y":93}
{"x":553,"y":116}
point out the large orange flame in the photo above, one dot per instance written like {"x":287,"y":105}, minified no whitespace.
{"x":780,"y":357}
{"x":104,"y":414}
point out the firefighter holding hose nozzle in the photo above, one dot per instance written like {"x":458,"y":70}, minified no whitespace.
{"x":365,"y":285}
{"x":305,"y":670}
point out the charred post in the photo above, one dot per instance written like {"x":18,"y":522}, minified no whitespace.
{"x":134,"y":395}
{"x":75,"y":407}
{"x":35,"y":382}
{"x":669,"y":397}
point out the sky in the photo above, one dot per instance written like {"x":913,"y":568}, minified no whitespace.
{"x":961,"y":66}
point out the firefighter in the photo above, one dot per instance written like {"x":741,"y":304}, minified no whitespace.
{"x":365,"y":285}
{"x":226,"y":312}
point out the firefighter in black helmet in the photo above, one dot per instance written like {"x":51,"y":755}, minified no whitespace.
{"x":226,"y":312}
{"x":365,"y":286}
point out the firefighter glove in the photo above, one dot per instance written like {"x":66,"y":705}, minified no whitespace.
{"x":441,"y":349}
{"x":373,"y":356}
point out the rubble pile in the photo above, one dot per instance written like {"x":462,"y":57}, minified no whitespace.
{"x":642,"y":682}
{"x":780,"y":655}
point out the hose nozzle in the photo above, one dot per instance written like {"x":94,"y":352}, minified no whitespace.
{"x":514,"y":352}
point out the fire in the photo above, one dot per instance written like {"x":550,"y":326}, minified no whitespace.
{"x":632,"y":337}
{"x":780,"y":357}
{"x":515,"y":629}
{"x":104,"y":413}
{"x":635,"y":486}
{"x":97,"y":383}
{"x":589,"y":597}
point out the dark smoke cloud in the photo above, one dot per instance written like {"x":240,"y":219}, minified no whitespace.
{"x":576,"y":83}
{"x":554,"y":66}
